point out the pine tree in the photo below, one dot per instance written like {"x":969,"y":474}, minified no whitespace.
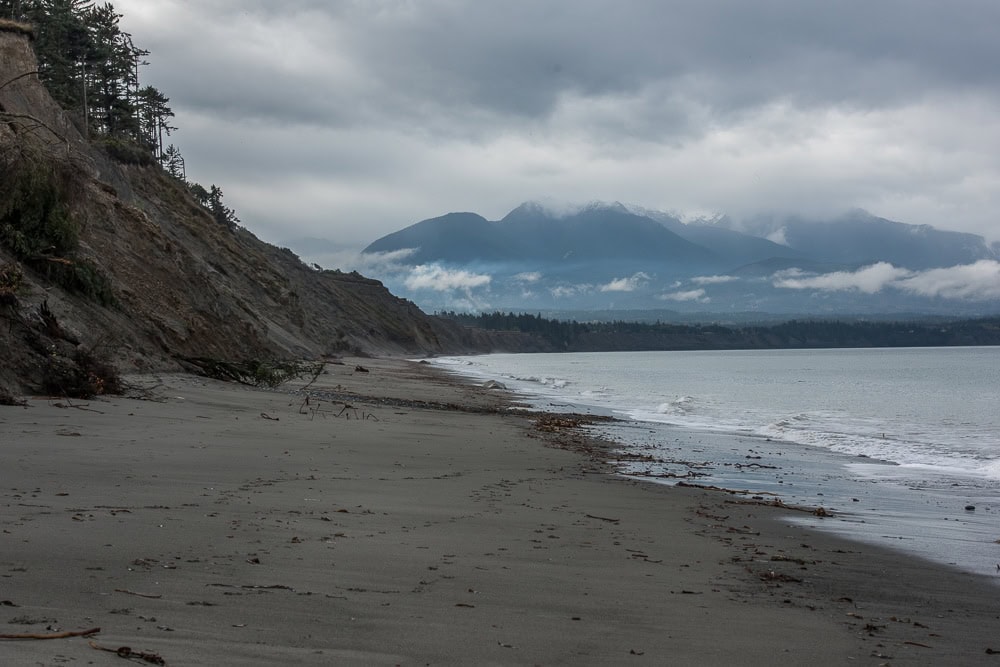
{"x":13,"y":10}
{"x":153,"y":115}
{"x":112,"y":64}
{"x":199,"y":192}
{"x":173,"y":162}
{"x":62,"y":45}
{"x":222,"y":213}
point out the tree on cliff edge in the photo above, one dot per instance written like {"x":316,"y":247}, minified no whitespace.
{"x":222,"y":213}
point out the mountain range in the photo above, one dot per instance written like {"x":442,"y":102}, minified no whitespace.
{"x":611,"y":256}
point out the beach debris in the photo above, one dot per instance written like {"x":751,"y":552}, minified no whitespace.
{"x":313,"y":407}
{"x":264,"y":415}
{"x":636,"y":652}
{"x":554,"y":423}
{"x":790,"y":559}
{"x":127,"y":653}
{"x":69,"y":405}
{"x":141,"y":595}
{"x":280,"y":587}
{"x":360,"y":369}
{"x":771,"y":575}
{"x":9,"y":399}
{"x":50,"y":635}
{"x":759,"y":466}
{"x":29,"y":620}
{"x":602,"y":518}
{"x":970,"y":508}
{"x":918,"y":644}
{"x":253,"y":372}
{"x":348,"y":406}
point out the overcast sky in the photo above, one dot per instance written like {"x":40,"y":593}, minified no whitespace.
{"x":349,"y":120}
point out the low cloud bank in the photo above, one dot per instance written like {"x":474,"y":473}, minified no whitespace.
{"x":630,"y":284}
{"x":688,"y":295}
{"x":440,"y":279}
{"x":365,"y":263}
{"x":870,"y":279}
{"x":973,"y":282}
{"x":713,"y":280}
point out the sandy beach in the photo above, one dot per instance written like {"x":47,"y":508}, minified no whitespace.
{"x":400,"y":517}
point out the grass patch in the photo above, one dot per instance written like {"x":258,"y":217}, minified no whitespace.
{"x":126,"y":152}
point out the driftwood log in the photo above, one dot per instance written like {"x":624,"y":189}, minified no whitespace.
{"x":50,"y":635}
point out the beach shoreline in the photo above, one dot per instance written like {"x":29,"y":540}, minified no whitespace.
{"x":400,"y":516}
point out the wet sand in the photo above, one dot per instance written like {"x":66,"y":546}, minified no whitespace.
{"x":424,"y":524}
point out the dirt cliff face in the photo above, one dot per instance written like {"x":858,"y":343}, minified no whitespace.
{"x":176,"y":282}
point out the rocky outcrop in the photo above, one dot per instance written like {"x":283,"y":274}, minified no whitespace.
{"x":175,"y":282}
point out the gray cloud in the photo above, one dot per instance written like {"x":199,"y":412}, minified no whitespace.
{"x":354,"y":119}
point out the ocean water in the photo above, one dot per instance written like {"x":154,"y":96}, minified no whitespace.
{"x":901,"y":446}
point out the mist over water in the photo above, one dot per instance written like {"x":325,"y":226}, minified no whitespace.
{"x":898,"y":441}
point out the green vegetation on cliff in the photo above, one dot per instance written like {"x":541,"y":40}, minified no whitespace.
{"x":37,"y":226}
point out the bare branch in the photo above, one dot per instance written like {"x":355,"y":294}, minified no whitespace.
{"x":19,"y":76}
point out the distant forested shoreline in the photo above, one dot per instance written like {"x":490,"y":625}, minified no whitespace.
{"x":573,"y":336}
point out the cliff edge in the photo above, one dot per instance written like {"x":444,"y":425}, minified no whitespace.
{"x":100,"y":255}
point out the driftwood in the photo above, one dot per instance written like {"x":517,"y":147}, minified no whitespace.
{"x":50,"y":635}
{"x":320,"y":367}
{"x":312,"y":409}
{"x":253,"y":372}
{"x":142,"y":595}
{"x":128,"y":653}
